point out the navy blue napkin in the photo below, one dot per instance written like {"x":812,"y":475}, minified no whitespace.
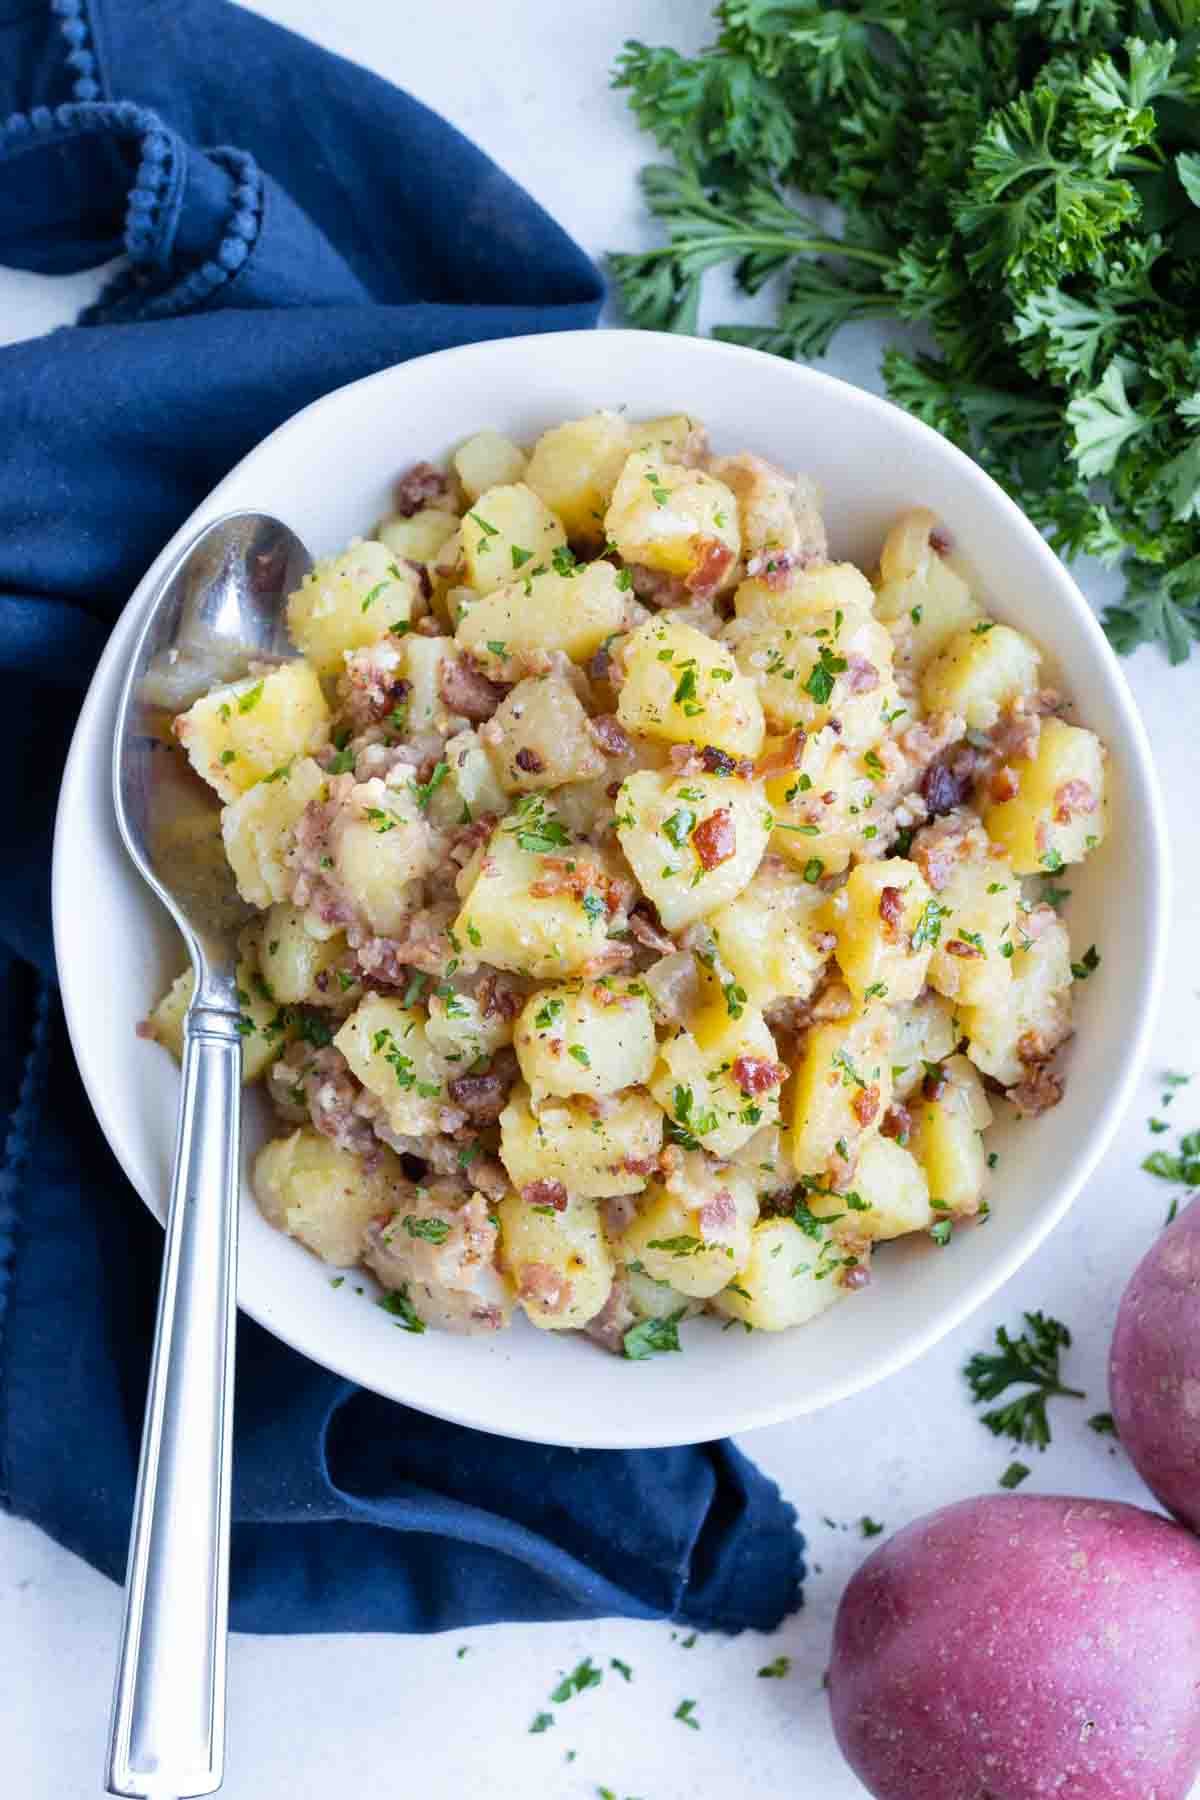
{"x":288,"y":223}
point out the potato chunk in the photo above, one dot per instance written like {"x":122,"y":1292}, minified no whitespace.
{"x":677,"y":520}
{"x":1035,"y":1014}
{"x":1059,"y":812}
{"x":804,"y":597}
{"x":471,"y":786}
{"x":536,"y":902}
{"x":265,"y":1027}
{"x":948,"y":1120}
{"x":789,"y":1277}
{"x":971,"y":922}
{"x":875,"y":918}
{"x":574,"y":469}
{"x":842,"y":1088}
{"x":921,"y":598}
{"x":382,"y":846}
{"x":926,"y":1031}
{"x":676,"y":436}
{"x":720,"y":1081}
{"x":507,"y":528}
{"x":460,"y":1030}
{"x":258,"y":827}
{"x":299,"y":967}
{"x":538,"y":737}
{"x":488,"y":460}
{"x":825,"y":809}
{"x":685,"y":688}
{"x":586,"y":1038}
{"x":979,"y":672}
{"x":837,"y":671}
{"x":890,"y":1196}
{"x":388,"y":1048}
{"x":693,"y":1226}
{"x":560,"y":1262}
{"x":322,"y":1195}
{"x":244,"y":733}
{"x":693,"y":842}
{"x":768,"y":518}
{"x":574,"y":612}
{"x":768,"y":935}
{"x":420,"y":538}
{"x":566,"y":1141}
{"x":349,"y":601}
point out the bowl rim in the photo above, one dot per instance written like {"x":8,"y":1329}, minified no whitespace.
{"x":1136,"y":745}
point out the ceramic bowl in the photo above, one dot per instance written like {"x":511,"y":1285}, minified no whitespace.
{"x":328,"y":472}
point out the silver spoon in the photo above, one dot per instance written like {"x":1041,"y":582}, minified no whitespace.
{"x":216,"y":610}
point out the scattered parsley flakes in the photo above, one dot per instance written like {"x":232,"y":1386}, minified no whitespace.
{"x":776,"y":1669}
{"x":684,"y":1713}
{"x":583,"y":1676}
{"x":623,"y":1669}
{"x":653,"y":1337}
{"x":403,"y":1314}
{"x":870,"y":1527}
{"x":250,"y":699}
{"x":1103,"y":1424}
{"x":541,"y":1722}
{"x":430,"y":1231}
{"x":1014,"y":1475}
{"x":1087,"y":964}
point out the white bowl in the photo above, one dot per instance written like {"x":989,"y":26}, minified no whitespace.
{"x":328,"y":472}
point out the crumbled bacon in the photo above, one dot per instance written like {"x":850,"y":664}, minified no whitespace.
{"x":891,"y":910}
{"x":611,"y":736}
{"x":968,"y":952}
{"x":465,"y":691}
{"x":607,"y":961}
{"x":935,"y":1083}
{"x":948,"y":780}
{"x":856,"y":1278}
{"x":482,"y":1097}
{"x":545,"y":1193}
{"x":614,"y":1319}
{"x":467,"y":839}
{"x":713,"y":563}
{"x":639,"y":1165}
{"x":420,"y":486}
{"x":715,"y":838}
{"x":865,"y":1104}
{"x":757,"y":1074}
{"x":1073,"y":797}
{"x":861,"y":677}
{"x":1005,"y":783}
{"x":782,"y":757}
{"x":656,"y":587}
{"x":528,"y":761}
{"x":499,"y":997}
{"x":774,"y":567}
{"x":544,"y":1287}
{"x":938,"y":848}
{"x":940,"y":541}
{"x":897,"y":1122}
{"x":1038,"y":1090}
{"x":563,"y":875}
{"x":717,"y":1217}
{"x":644,"y":925}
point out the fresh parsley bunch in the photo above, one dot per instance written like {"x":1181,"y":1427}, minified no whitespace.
{"x":1021,"y":181}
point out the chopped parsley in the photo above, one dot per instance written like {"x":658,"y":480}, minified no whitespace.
{"x":929,"y":926}
{"x":1089,"y":962}
{"x":823,"y":674}
{"x":776,"y":1669}
{"x":1014,"y":1475}
{"x":580,"y":1055}
{"x":653,"y":1337}
{"x":250,"y":699}
{"x":430,"y":1231}
{"x":684,"y":1713}
{"x":402,"y":1311}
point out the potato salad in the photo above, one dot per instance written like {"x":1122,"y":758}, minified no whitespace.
{"x":650,"y":911}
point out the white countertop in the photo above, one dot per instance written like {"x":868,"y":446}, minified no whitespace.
{"x":325,"y":1718}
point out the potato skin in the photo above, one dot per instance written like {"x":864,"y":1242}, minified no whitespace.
{"x":1154,"y":1369}
{"x":1020,"y":1647}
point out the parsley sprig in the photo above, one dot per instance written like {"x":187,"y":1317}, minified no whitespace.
{"x":1031,"y":1361}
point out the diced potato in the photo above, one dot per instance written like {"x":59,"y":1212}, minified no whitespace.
{"x":535,"y":902}
{"x":439,"y":1249}
{"x":926,"y":1031}
{"x":693,"y":842}
{"x":789,"y":1277}
{"x":946,"y":1138}
{"x":808,"y":677}
{"x":538,"y":737}
{"x":767,"y":515}
{"x":488,"y":460}
{"x":507,"y":528}
{"x":1060,"y":811}
{"x":560,"y":1262}
{"x":973,"y":920}
{"x":586,"y":1038}
{"x":244,"y":733}
{"x":323,"y":1195}
{"x":765,"y":936}
{"x":349,"y":601}
{"x":165,"y":1022}
{"x":651,"y":1299}
{"x":387,"y":1046}
{"x":265,"y":1030}
{"x":693,"y":1226}
{"x":420,"y":538}
{"x":567,"y":1141}
{"x":299,"y":967}
{"x":920,"y":595}
{"x":574,"y":613}
{"x":459,"y":1029}
{"x":721,"y":1081}
{"x":875,"y":917}
{"x":421,"y":660}
{"x":811,"y":595}
{"x":685,"y":688}
{"x":382,"y":846}
{"x":676,"y":436}
{"x":258,"y":827}
{"x":979,"y":672}
{"x":471,"y":787}
{"x":574,"y":469}
{"x":825,"y":810}
{"x":890,"y":1196}
{"x":675,"y":519}
{"x":1036,"y":1011}
{"x":842,"y":1088}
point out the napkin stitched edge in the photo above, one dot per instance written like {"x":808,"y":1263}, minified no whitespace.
{"x":18,"y":1143}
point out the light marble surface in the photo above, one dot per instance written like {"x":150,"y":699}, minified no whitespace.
{"x":313,"y":1718}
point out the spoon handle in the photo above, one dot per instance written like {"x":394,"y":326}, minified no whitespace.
{"x":167,"y":1733}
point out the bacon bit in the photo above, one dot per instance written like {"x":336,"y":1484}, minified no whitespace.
{"x":1005,"y":783}
{"x":607,"y":961}
{"x":545,"y":1193}
{"x":687,"y":759}
{"x":935,"y":1083}
{"x":542,"y":1286}
{"x":715,"y":838}
{"x":1037,"y":1092}
{"x":611,"y":736}
{"x":757,"y":1074}
{"x":783,"y":757}
{"x":940,"y":541}
{"x":638,"y":1165}
{"x":600,"y":665}
{"x":498,"y":997}
{"x":606,"y":996}
{"x":424,"y":578}
{"x":828,"y":798}
{"x":713,"y":562}
{"x":1041,"y":837}
{"x":529,"y":761}
{"x":646,"y":928}
{"x":856,"y":1278}
{"x":897,"y":1122}
{"x":970,"y":952}
{"x":862,"y":677}
{"x":467,"y":692}
{"x":482,"y":1097}
{"x":947,"y":781}
{"x":891,"y":911}
{"x":613,"y":789}
{"x":718,"y":1215}
{"x":1071,"y":798}
{"x":865,"y":1105}
{"x":418,"y":486}
{"x":774,"y":567}
{"x":561,"y":876}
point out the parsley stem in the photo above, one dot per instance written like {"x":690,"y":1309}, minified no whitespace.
{"x":778,"y":240}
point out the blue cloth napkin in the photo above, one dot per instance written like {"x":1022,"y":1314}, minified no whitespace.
{"x":288,"y":223}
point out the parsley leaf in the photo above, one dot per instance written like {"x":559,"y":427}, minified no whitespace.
{"x":653,"y":1336}
{"x":1031,"y":1361}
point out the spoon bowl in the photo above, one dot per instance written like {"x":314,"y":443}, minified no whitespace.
{"x":217,"y":611}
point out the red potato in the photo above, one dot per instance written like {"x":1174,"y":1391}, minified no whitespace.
{"x":1010,"y":1648}
{"x":1154,"y":1371}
